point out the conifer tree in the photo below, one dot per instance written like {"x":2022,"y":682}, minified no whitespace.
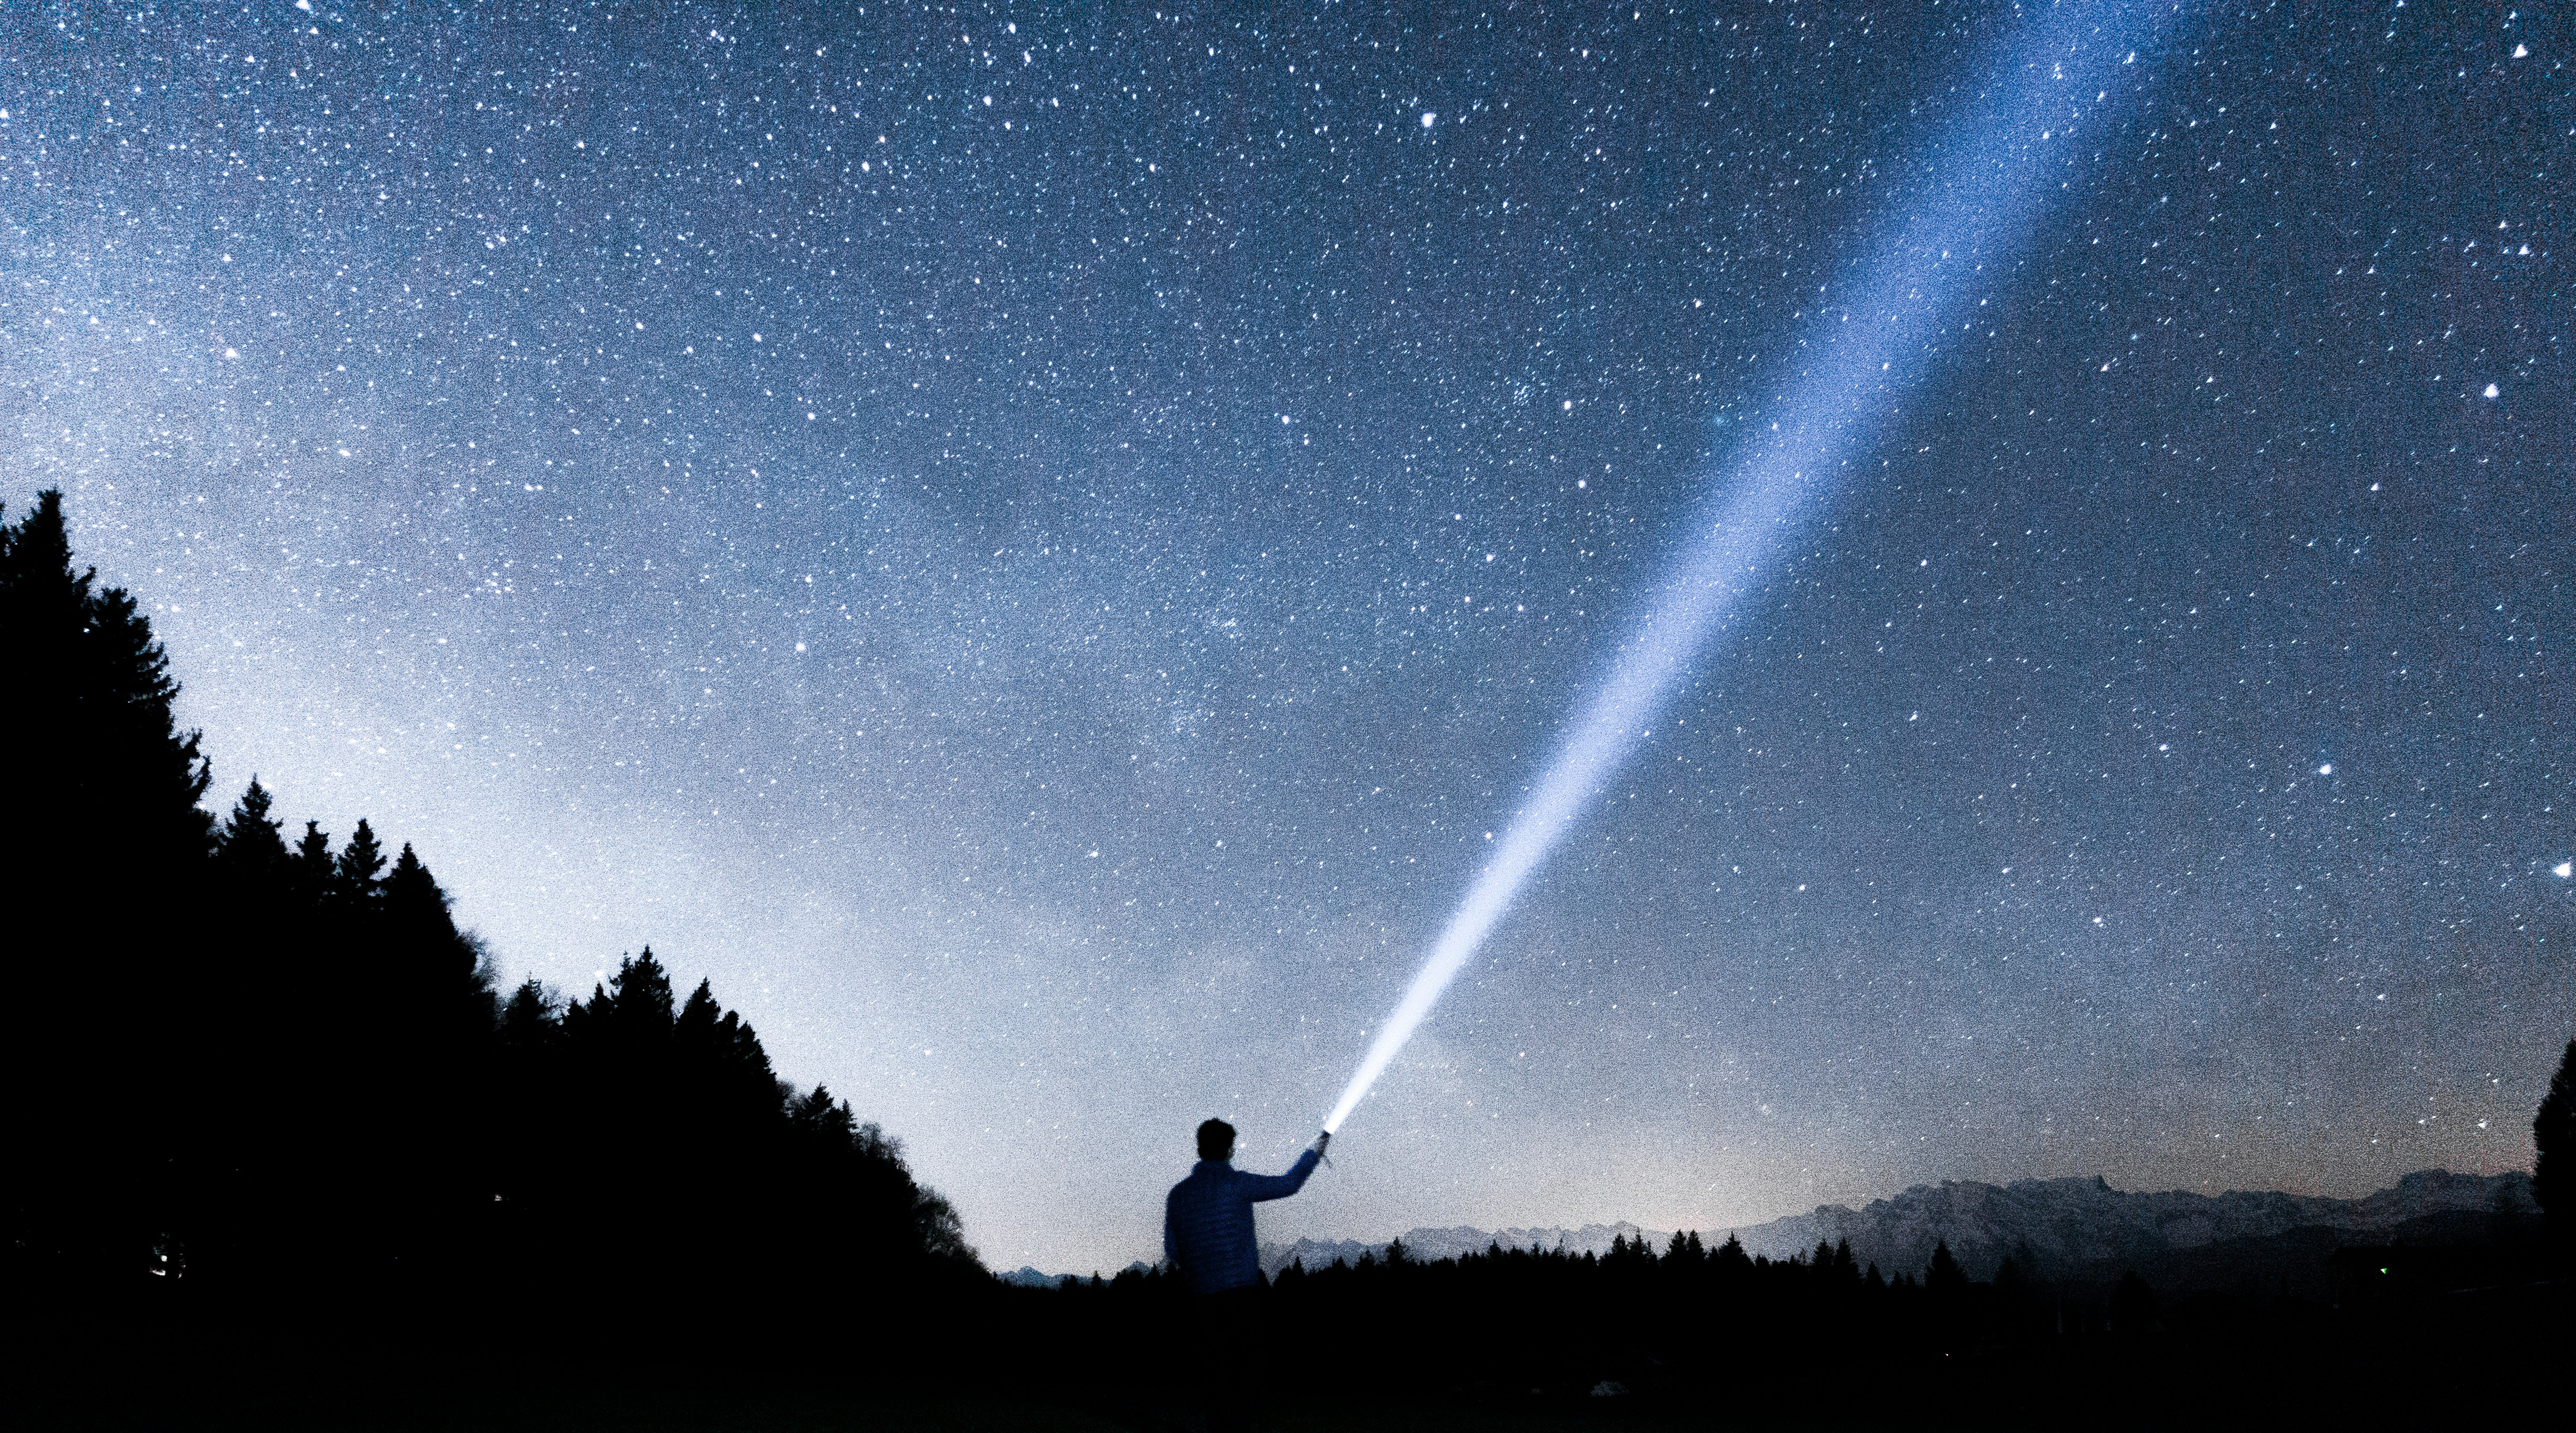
{"x":527,"y":1020}
{"x":310,"y":871}
{"x":2553,"y":1137}
{"x":89,"y":720}
{"x":249,"y":850}
{"x":724,"y":1052}
{"x":97,"y":766}
{"x":437,"y":964}
{"x":410,"y":895}
{"x":633,"y":1005}
{"x":358,"y":874}
{"x":1730,"y":1260}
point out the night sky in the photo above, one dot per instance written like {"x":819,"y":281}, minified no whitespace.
{"x":1033,"y":550}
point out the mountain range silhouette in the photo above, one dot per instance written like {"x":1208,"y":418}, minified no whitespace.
{"x":2068,"y":1229}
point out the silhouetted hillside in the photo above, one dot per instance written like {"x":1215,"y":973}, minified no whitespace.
{"x":269,"y":1083}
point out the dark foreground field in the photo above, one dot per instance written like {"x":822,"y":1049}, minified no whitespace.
{"x":1019,"y":1363}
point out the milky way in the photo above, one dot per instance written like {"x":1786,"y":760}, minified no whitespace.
{"x":1033,"y":550}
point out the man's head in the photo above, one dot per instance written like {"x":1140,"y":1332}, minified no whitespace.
{"x":1216,"y":1140}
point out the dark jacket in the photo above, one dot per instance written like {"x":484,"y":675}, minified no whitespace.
{"x":1207,"y":1221}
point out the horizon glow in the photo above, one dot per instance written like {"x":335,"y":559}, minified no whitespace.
{"x":1986,"y":193}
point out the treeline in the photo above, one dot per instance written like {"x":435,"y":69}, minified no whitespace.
{"x":1698,"y":1331}
{"x":1642,"y":1310}
{"x":1635,"y":1317}
{"x":271,"y":1070}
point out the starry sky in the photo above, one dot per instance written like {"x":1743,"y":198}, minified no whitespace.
{"x":1031,"y":545}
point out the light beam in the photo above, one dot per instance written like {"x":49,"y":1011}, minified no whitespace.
{"x":1990,"y":176}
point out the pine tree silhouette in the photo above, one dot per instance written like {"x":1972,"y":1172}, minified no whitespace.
{"x":1730,"y":1261}
{"x":249,"y":851}
{"x":109,"y":1180}
{"x":356,"y":876}
{"x":89,"y":715}
{"x":2553,"y":1137}
{"x":528,"y":1018}
{"x":311,"y":871}
{"x":631,"y":1011}
{"x":433,"y":969}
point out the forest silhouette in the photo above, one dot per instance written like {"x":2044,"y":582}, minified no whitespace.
{"x":274,"y":1118}
{"x":271,"y":1077}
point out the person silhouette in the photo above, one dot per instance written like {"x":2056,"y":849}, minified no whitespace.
{"x":1208,"y":1239}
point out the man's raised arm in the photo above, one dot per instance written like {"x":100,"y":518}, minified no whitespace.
{"x":1258,"y":1187}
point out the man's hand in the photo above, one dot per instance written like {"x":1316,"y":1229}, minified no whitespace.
{"x":1322,"y":1140}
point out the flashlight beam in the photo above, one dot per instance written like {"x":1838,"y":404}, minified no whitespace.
{"x":1990,"y":184}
